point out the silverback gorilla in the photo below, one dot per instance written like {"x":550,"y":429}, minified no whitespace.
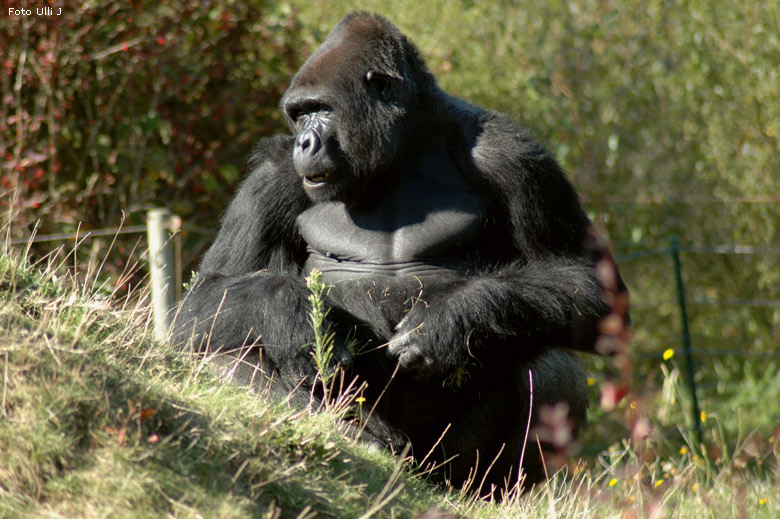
{"x":457,"y":251}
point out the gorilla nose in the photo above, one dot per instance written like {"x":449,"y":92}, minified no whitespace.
{"x":308,"y":143}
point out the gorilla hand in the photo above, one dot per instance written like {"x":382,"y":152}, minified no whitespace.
{"x":262,"y":310}
{"x":432,"y":341}
{"x":296,"y":362}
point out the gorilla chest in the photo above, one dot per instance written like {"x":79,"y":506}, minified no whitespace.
{"x":425,"y":220}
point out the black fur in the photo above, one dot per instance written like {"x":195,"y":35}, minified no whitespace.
{"x":457,"y":248}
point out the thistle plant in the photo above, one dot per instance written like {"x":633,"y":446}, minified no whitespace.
{"x":323,"y":341}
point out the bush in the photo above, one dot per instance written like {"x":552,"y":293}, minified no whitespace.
{"x":113,"y":107}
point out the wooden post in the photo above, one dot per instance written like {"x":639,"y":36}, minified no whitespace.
{"x":160,"y":226}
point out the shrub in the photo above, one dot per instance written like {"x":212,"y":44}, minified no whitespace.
{"x":111,"y":107}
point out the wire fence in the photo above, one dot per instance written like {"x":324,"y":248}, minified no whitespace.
{"x":686,"y":349}
{"x":674,"y":252}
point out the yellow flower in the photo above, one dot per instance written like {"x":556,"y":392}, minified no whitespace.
{"x":591,"y":381}
{"x":612,"y":482}
{"x":658,"y":483}
{"x":683,"y":451}
{"x":360,"y":399}
{"x":762,"y":501}
{"x":668,"y":354}
{"x":703,"y":417}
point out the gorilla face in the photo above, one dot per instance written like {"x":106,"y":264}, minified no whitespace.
{"x":349,"y":107}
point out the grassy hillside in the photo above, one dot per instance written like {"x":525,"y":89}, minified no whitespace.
{"x":665,"y":114}
{"x":99,"y":420}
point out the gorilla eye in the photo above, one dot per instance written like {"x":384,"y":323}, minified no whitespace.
{"x":301,"y":107}
{"x":295,"y":114}
{"x":379,"y":82}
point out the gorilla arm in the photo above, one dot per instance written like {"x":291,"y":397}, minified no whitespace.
{"x":248,"y":291}
{"x":548,"y":296}
{"x":518,"y":310}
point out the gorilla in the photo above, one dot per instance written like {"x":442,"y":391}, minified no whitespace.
{"x":459,"y":259}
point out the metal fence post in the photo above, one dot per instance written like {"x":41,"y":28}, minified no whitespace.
{"x":686,"y":339}
{"x":160,"y":225}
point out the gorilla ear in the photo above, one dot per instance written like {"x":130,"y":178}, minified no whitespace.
{"x":381,"y":83}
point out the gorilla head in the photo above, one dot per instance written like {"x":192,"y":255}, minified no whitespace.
{"x":352,"y":106}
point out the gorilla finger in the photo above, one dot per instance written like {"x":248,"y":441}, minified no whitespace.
{"x":402,"y":323}
{"x":341,"y":354}
{"x":411,"y":359}
{"x":397,"y":346}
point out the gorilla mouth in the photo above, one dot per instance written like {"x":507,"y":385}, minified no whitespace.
{"x":317,"y":179}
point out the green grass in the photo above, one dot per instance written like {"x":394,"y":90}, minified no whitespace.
{"x":97,"y":419}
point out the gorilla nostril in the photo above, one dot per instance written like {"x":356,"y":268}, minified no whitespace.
{"x":309,"y":142}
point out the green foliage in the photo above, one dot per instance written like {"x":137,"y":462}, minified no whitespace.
{"x":666,"y":116}
{"x":323,"y":341}
{"x":113,"y":107}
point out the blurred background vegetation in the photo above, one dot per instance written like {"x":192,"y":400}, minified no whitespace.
{"x":665,"y":113}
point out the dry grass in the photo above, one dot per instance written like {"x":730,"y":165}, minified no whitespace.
{"x":97,"y":419}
